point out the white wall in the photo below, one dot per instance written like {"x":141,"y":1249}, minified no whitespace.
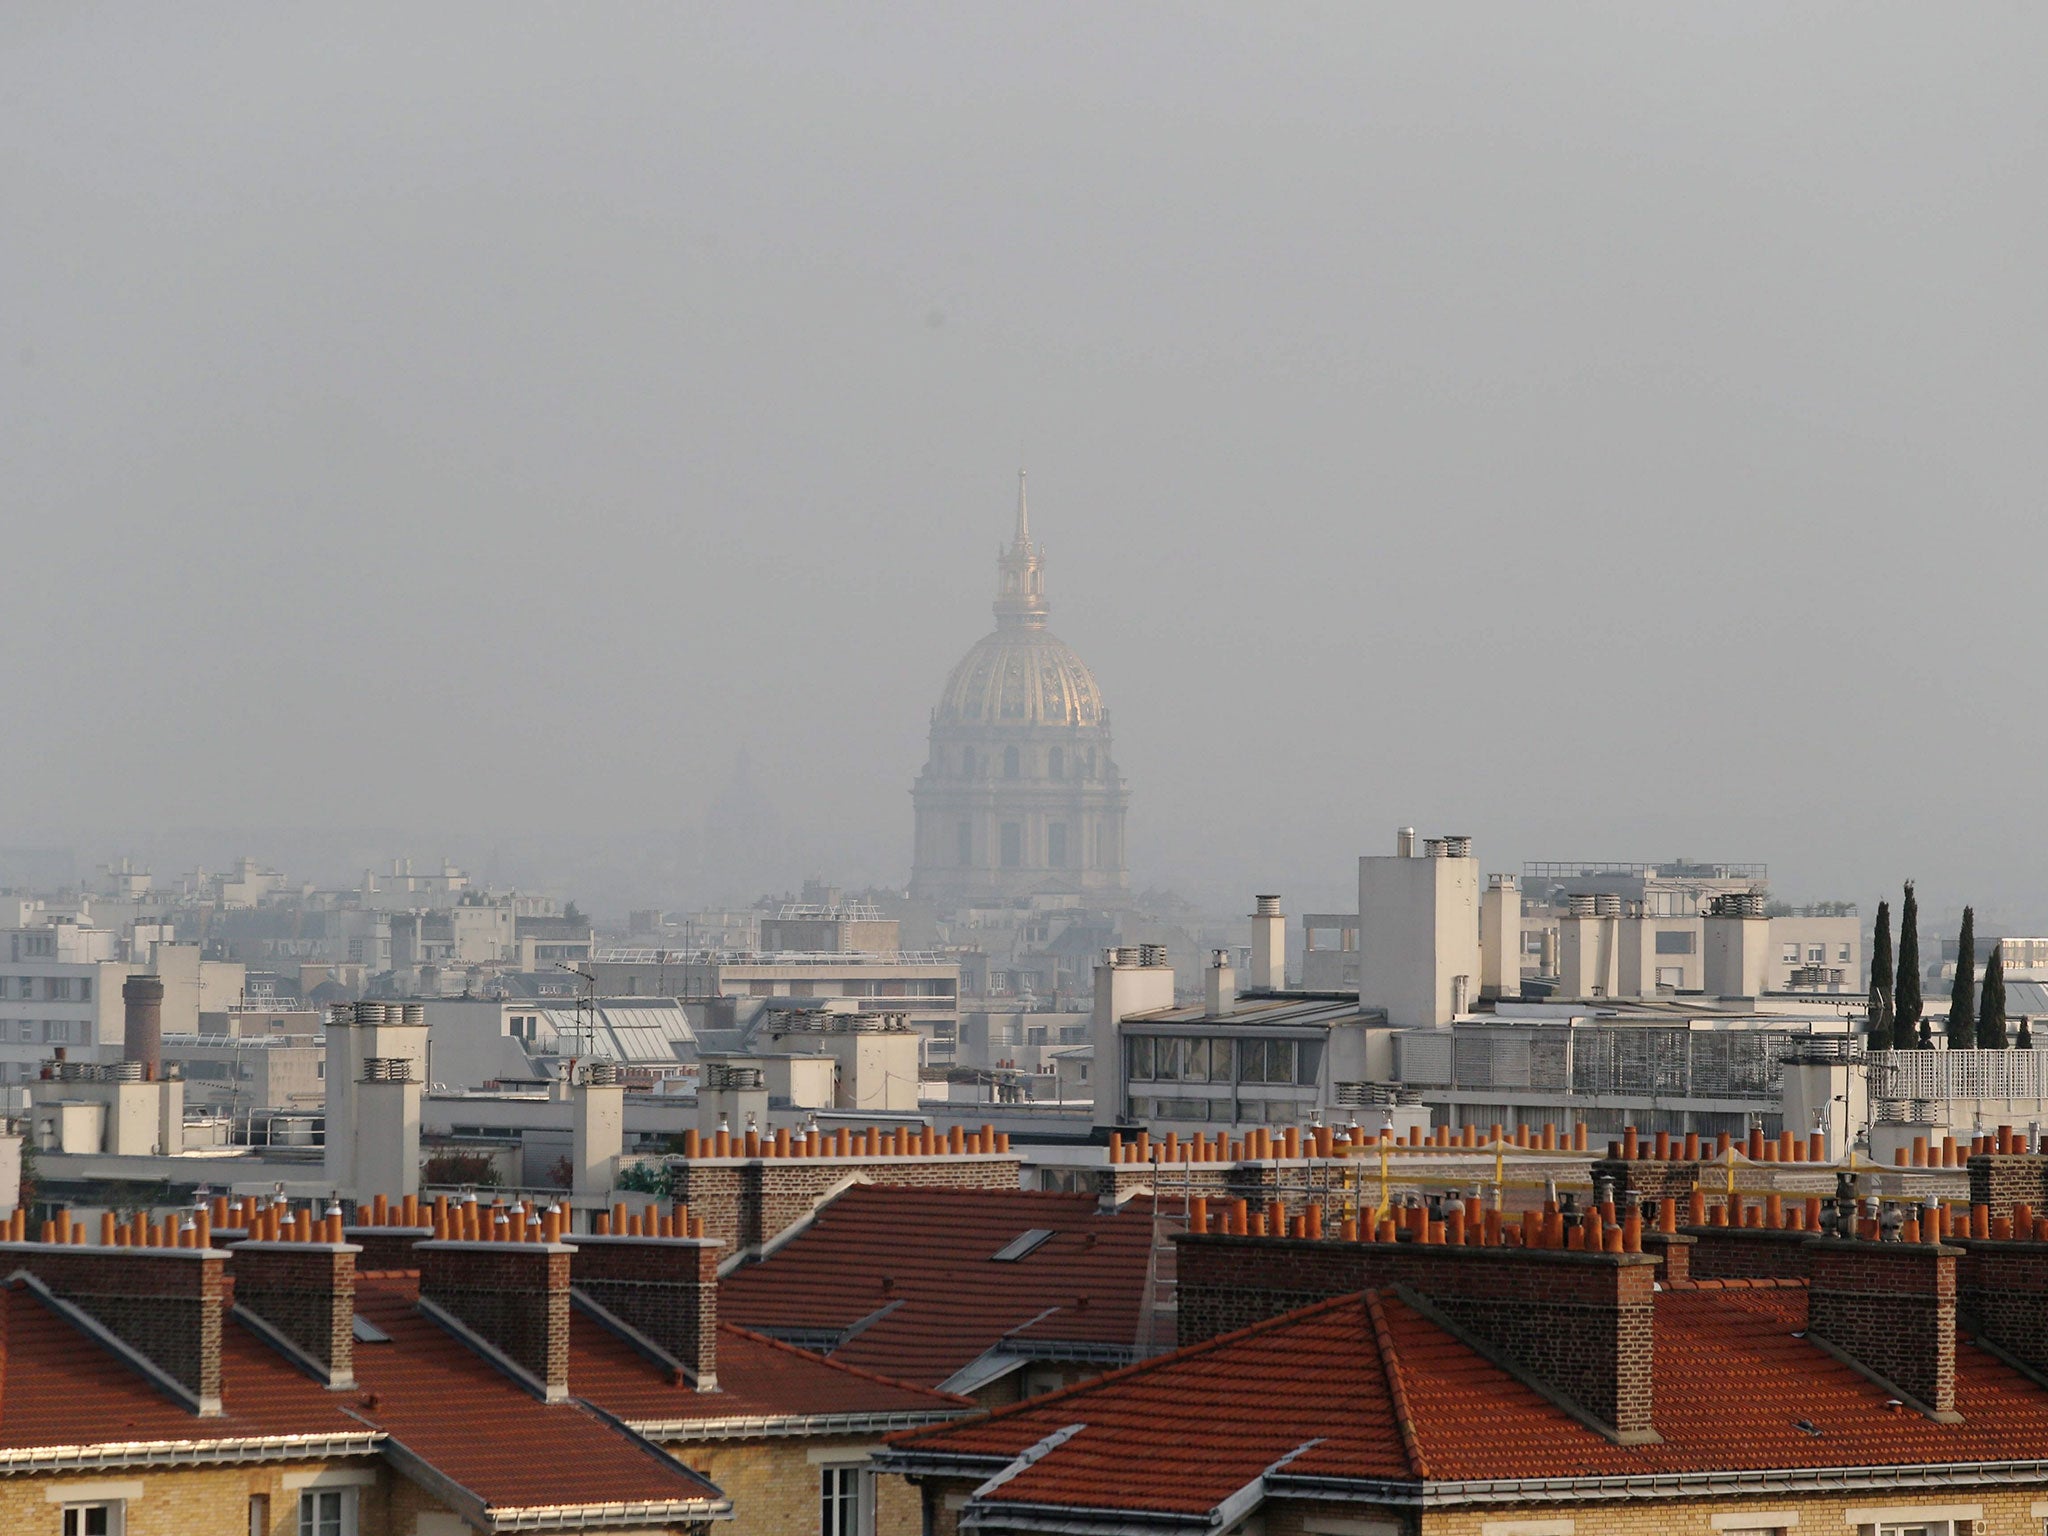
{"x":1418,"y":932}
{"x":1121,"y":991}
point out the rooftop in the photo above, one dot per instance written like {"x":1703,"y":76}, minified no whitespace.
{"x":1366,"y":1388}
{"x":907,"y":1282}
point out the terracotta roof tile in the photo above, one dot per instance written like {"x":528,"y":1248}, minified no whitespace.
{"x":927,"y":1256}
{"x":1733,"y":1381}
{"x":757,"y":1378}
{"x":451,"y":1407}
{"x":1184,"y":1432}
{"x":61,"y":1387}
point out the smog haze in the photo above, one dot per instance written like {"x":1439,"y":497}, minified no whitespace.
{"x":1611,"y":432}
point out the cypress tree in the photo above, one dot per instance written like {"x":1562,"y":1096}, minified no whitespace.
{"x":1962,"y":998}
{"x":1907,"y":1021}
{"x":1991,"y":1017}
{"x":1879,"y":1024}
{"x":2026,"y":1039}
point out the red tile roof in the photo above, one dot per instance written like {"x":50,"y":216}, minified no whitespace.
{"x":1364,"y":1387}
{"x":916,"y":1266}
{"x":758,"y":1378}
{"x":424,"y":1389}
{"x":436,"y":1396}
{"x":61,"y":1387}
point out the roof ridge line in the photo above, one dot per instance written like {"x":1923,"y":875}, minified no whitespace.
{"x":638,"y":1342}
{"x":1184,"y":1352}
{"x":1397,"y":1390}
{"x":841,"y":1365}
{"x":1519,"y":1374}
{"x":196,"y":1403}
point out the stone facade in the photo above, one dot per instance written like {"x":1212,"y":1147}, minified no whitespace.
{"x":1988,"y":1510}
{"x":221,"y":1501}
{"x":774,"y":1485}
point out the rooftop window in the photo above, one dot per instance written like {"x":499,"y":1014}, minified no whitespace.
{"x":1019,"y":1246}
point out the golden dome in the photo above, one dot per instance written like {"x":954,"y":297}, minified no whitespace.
{"x":1021,"y":676}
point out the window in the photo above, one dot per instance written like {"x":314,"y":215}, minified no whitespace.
{"x":1011,"y":763}
{"x":327,"y":1512}
{"x":1842,"y":954}
{"x":963,"y":837}
{"x":259,"y":1514}
{"x":1056,"y":764}
{"x":1013,"y":844}
{"x":1673,"y":941}
{"x":967,"y":764}
{"x":1056,"y":845}
{"x":85,"y":986}
{"x":1266,"y":1061}
{"x":92,"y":1520}
{"x":1141,"y":1056}
{"x":1816,"y":954}
{"x":1791,"y":954}
{"x":846,"y":1501}
{"x":1308,"y":1061}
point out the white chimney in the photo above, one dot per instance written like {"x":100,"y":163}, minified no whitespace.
{"x":597,"y":1128}
{"x":1404,"y":843}
{"x":1269,"y":945}
{"x":1220,"y":989}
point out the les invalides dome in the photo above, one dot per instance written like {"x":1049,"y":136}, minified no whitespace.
{"x":1020,"y":794}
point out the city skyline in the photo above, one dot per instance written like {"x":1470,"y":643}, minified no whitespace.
{"x":1544,"y":428}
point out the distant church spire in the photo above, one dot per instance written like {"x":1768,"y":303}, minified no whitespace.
{"x":1020,"y":584}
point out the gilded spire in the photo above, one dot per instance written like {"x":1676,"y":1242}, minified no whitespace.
{"x":1020,"y":587}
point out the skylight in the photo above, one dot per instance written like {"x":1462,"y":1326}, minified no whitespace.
{"x":1018,"y":1246}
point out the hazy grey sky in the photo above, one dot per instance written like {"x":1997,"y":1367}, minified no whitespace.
{"x":1611,"y":431}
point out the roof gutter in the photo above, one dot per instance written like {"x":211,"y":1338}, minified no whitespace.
{"x":1446,"y":1493}
{"x":784,"y":1426}
{"x":186,"y":1453}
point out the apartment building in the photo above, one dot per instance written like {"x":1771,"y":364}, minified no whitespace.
{"x":1464,"y":1374}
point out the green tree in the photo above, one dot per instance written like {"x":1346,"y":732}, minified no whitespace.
{"x":473,"y":1168}
{"x":1962,"y":998}
{"x":2026,"y":1039}
{"x":1991,"y":1017}
{"x":1906,"y":1014}
{"x":1879,"y":1026}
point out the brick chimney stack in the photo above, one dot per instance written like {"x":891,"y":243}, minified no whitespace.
{"x":1889,"y":1308}
{"x":142,"y":1033}
{"x":511,"y":1298}
{"x":303,"y":1295}
{"x":663,"y":1288}
{"x":161,"y":1306}
{"x":1576,"y":1326}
